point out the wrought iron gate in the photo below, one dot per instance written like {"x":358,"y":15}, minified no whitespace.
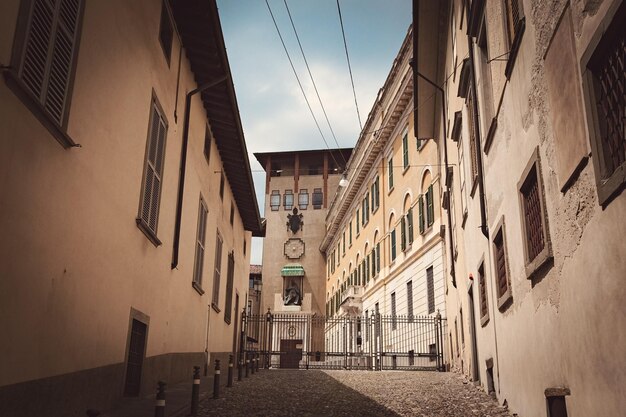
{"x":373,"y":342}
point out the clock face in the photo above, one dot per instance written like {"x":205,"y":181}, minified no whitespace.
{"x":294,"y":248}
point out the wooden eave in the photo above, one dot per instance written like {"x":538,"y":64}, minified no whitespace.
{"x":199,"y":26}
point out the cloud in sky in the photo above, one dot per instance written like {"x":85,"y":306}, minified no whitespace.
{"x":273,"y":111}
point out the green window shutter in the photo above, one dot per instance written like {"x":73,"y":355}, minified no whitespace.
{"x":378,"y":257}
{"x":409,"y":219}
{"x":405,"y":151}
{"x":393,"y":244}
{"x":373,"y":262}
{"x":390,"y":172}
{"x":377,"y":182}
{"x":367,"y":269}
{"x":420,"y":205}
{"x":403,"y":234}
{"x":430,"y":208}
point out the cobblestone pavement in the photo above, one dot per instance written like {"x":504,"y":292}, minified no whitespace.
{"x":276,"y":393}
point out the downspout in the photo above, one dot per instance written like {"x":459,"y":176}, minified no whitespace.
{"x":183,"y":165}
{"x":479,"y":157}
{"x":417,"y":74}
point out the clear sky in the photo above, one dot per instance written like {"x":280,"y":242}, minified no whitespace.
{"x":273,"y":111}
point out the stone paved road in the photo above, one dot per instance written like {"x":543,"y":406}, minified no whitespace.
{"x":274,"y":393}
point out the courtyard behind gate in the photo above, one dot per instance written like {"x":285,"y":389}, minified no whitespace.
{"x":373,"y":342}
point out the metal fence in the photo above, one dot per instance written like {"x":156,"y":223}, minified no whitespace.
{"x":373,"y":342}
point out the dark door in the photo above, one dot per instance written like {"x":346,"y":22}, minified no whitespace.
{"x":291,"y":353}
{"x":136,"y":350}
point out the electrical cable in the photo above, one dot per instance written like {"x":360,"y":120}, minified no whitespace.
{"x":345,"y":46}
{"x":313,"y":81}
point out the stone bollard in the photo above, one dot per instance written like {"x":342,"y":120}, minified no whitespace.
{"x":159,"y":407}
{"x":230,"y":371}
{"x":195,"y":391}
{"x":216,"y":380}
{"x":92,"y":413}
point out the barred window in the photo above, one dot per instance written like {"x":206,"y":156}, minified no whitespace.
{"x":318,"y":198}
{"x":513,"y":18}
{"x":482,"y":292}
{"x":605,"y":79}
{"x":45,"y":63}
{"x":288,"y":200}
{"x":153,"y":174}
{"x":537,"y":248}
{"x":275,"y":200}
{"x":200,"y":239}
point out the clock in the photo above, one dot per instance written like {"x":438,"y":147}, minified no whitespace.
{"x":294,"y":248}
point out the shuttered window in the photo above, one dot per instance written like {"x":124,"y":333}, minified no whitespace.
{"x":430,"y":287}
{"x":378,"y":257}
{"x":482,"y":289}
{"x":430,"y":210}
{"x":222,"y":183}
{"x":200,"y":240}
{"x":207,"y":143}
{"x":502,"y":280}
{"x":405,"y":151}
{"x":420,"y":211}
{"x":409,"y":224}
{"x":535,"y":239}
{"x":217,"y":272}
{"x":153,"y":173}
{"x":390,"y":173}
{"x":513,"y":17}
{"x":230,"y":277}
{"x":393,"y":245}
{"x":394,"y":322}
{"x":472,"y":137}
{"x":403,"y":233}
{"x":409,"y":300}
{"x":47,"y":58}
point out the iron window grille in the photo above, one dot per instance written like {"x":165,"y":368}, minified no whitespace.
{"x":200,"y":246}
{"x":303,"y":199}
{"x":318,"y":198}
{"x":275,"y":200}
{"x":288,"y":200}
{"x":605,"y":83}
{"x":153,"y":174}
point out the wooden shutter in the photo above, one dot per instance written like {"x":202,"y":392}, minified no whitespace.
{"x":230,"y":276}
{"x":218,"y":269}
{"x":393,"y":244}
{"x":378,"y":257}
{"x":154,"y":169}
{"x":430,"y":211}
{"x":430,"y":285}
{"x":403,"y":233}
{"x":409,"y":219}
{"x":49,"y":52}
{"x":420,"y":205}
{"x":200,"y":243}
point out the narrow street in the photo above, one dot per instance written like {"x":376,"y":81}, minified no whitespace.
{"x":352,"y":393}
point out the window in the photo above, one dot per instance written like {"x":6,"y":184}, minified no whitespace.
{"x":409,"y":223}
{"x":200,"y":239}
{"x":318,"y":198}
{"x":537,"y":248}
{"x":462,"y":331}
{"x":472,"y":139}
{"x":482,"y":293}
{"x":365,"y":211}
{"x":43,"y":69}
{"x":350,"y":233}
{"x":603,"y":78}
{"x":409,"y":300}
{"x":378,"y":257}
{"x":153,"y":174}
{"x":393,"y":244}
{"x":222,"y":182}
{"x":230,"y":274}
{"x":394,"y":323}
{"x":358,"y":227}
{"x":403,"y":233}
{"x":303,"y":199}
{"x":245,"y":246}
{"x":217,"y":273}
{"x":207,"y":144}
{"x":430,"y":209}
{"x":166,"y":32}
{"x":367,"y":269}
{"x":288,"y":200}
{"x":426,"y":210}
{"x":275,"y":200}
{"x":375,"y":194}
{"x":390,"y":173}
{"x":405,"y":151}
{"x":515,"y":25}
{"x":343,"y":243}
{"x":430,"y":287}
{"x":503,"y":285}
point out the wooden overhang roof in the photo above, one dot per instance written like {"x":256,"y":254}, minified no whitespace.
{"x":199,"y":26}
{"x":340,"y":154}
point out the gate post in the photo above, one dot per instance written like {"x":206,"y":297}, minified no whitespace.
{"x":437,"y":340}
{"x":270,"y":328}
{"x":242,"y":345}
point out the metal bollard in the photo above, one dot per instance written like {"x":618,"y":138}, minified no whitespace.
{"x":159,"y":407}
{"x":195,"y":391}
{"x":230,"y":371}
{"x":247,"y":364}
{"x":252,"y":364}
{"x":257,"y":362}
{"x":240,"y":370}
{"x":216,"y":380}
{"x":92,"y":413}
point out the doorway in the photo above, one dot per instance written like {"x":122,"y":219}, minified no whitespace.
{"x":291,"y":353}
{"x":472,"y":318}
{"x":136,"y":350}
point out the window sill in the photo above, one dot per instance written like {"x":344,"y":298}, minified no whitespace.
{"x":227,"y":320}
{"x":490,"y":134}
{"x":464,"y":219}
{"x":542,"y":259}
{"x":22,"y":93}
{"x":474,"y":186}
{"x":197,"y":287}
{"x":275,"y":208}
{"x":504,"y":300}
{"x":152,"y":237}
{"x":390,"y":191}
{"x":515,"y":48}
{"x":609,"y":188}
{"x":406,"y":168}
{"x":374,"y":210}
{"x":484,"y":320}
{"x":215,"y":307}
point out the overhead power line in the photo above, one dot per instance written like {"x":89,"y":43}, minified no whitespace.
{"x":345,"y":46}
{"x":313,"y":81}
{"x":298,"y":79}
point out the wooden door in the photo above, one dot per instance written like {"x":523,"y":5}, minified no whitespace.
{"x":136,"y":351}
{"x":291,"y":353}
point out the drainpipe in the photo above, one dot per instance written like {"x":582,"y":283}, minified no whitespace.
{"x":183,"y":165}
{"x":479,"y":157}
{"x":417,"y":74}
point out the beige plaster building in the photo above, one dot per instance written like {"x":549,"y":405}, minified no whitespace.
{"x":126,"y":214}
{"x":384,"y":244}
{"x":535,"y":108}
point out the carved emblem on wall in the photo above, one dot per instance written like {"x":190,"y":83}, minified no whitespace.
{"x":294,"y":248}
{"x":294,"y":221}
